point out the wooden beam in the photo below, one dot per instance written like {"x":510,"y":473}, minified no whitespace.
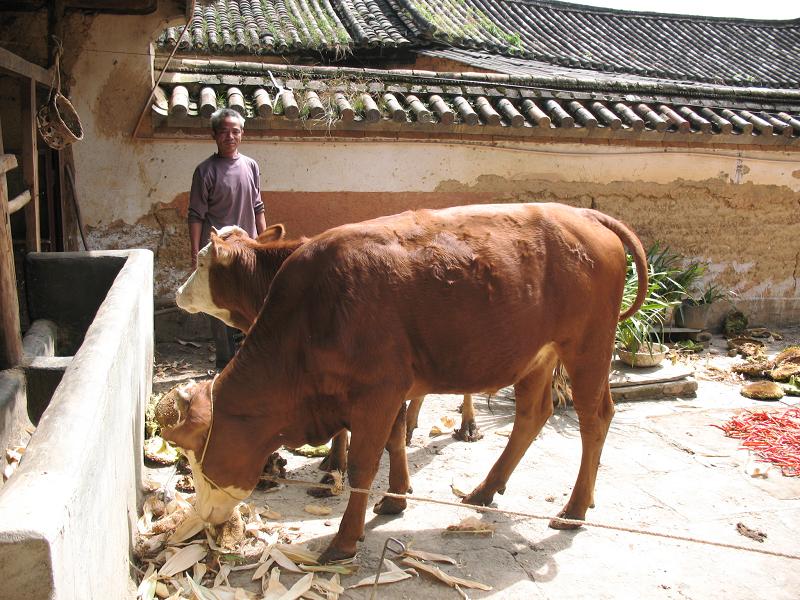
{"x":7,"y":162}
{"x":19,"y":202}
{"x":10,"y":340}
{"x":19,"y":66}
{"x":30,"y":165}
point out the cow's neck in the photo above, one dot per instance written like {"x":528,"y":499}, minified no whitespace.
{"x":269,"y":260}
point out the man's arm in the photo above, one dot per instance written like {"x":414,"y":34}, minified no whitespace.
{"x":261,"y":222}
{"x":198,"y":205}
{"x":195,"y":230}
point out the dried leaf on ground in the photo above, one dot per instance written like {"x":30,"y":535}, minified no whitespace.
{"x":222,"y":576}
{"x":284,"y":561}
{"x":147,"y":588}
{"x":384,"y":578}
{"x":317,"y":509}
{"x":332,"y":587}
{"x":429,"y":556}
{"x":189,"y":527}
{"x":299,"y":588}
{"x":148,"y":545}
{"x":450,"y":580}
{"x":340,"y":569}
{"x":471,"y":525}
{"x":262,"y":569}
{"x":298,"y":553}
{"x":274,"y":588}
{"x":183,"y":559}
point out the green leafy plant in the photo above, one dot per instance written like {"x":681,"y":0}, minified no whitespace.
{"x":639,"y":329}
{"x":676,"y":277}
{"x":708,"y":295}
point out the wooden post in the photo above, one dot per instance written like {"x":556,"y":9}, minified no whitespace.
{"x":10,"y":341}
{"x":30,"y":165}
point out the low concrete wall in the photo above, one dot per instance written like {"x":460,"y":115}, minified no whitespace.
{"x":68,"y":514}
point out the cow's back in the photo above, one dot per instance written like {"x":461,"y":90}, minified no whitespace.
{"x":459,"y":299}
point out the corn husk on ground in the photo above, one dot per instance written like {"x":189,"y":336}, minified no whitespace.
{"x":182,"y":557}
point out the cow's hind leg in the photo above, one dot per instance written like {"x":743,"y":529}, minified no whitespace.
{"x":595,"y":408}
{"x":399,"y":479}
{"x":370,"y":431}
{"x":335,"y":461}
{"x":412,"y":415}
{"x":533,"y":407}
{"x":468,"y":432}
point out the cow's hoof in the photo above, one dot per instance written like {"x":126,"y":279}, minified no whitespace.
{"x":390,"y":506}
{"x":319,"y":492}
{"x":558,"y":524}
{"x":333,"y":555}
{"x":468,"y":432}
{"x":479,"y":497}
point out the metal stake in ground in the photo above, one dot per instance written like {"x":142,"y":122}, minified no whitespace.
{"x":394,"y":546}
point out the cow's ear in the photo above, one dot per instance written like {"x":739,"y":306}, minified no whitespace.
{"x":273,"y":233}
{"x":221,"y":251}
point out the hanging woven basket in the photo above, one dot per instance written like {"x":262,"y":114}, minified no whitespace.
{"x":58,"y":122}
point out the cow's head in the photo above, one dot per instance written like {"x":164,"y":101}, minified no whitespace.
{"x":224,"y":470}
{"x":202,"y":290}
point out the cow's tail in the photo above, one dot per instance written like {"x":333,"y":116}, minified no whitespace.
{"x":634,"y":246}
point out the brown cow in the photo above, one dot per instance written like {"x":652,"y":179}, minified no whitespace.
{"x":362,"y":316}
{"x":231,"y":281}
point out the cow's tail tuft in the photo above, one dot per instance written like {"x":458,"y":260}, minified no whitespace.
{"x":634,"y":246}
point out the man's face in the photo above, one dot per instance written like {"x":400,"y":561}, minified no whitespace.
{"x":228,"y":136}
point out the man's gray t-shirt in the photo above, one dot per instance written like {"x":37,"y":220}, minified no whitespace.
{"x":225,"y":191}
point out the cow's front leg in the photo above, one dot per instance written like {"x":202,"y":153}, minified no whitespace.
{"x":468,"y":432}
{"x":335,"y":461}
{"x":399,"y":479}
{"x":370,"y":430}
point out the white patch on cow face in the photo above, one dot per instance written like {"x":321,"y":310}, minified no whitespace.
{"x":214,"y":505}
{"x":194,"y":295}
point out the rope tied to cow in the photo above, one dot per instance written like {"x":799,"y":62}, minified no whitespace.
{"x":534,"y":516}
{"x":200,"y":471}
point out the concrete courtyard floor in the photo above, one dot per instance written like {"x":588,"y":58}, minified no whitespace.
{"x":665,"y":469}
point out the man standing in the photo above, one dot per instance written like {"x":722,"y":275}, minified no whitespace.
{"x":226,"y":191}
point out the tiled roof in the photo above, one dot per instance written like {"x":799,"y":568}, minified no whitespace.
{"x":320,"y":100}
{"x":280,"y":26}
{"x":682,"y":48}
{"x":729,"y":51}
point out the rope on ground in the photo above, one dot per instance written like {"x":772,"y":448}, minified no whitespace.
{"x":526,"y":515}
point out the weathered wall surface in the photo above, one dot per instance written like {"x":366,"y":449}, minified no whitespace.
{"x":739,"y":210}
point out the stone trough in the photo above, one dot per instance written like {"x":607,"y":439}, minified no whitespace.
{"x":68,"y":513}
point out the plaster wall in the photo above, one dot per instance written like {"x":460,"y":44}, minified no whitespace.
{"x":733,"y":208}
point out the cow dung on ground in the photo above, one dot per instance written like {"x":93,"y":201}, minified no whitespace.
{"x":762,"y":390}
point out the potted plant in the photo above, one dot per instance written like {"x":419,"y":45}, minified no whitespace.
{"x":693,"y":312}
{"x":673,"y":276}
{"x":634,"y":336}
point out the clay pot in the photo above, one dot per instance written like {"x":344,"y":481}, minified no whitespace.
{"x":645,"y":357}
